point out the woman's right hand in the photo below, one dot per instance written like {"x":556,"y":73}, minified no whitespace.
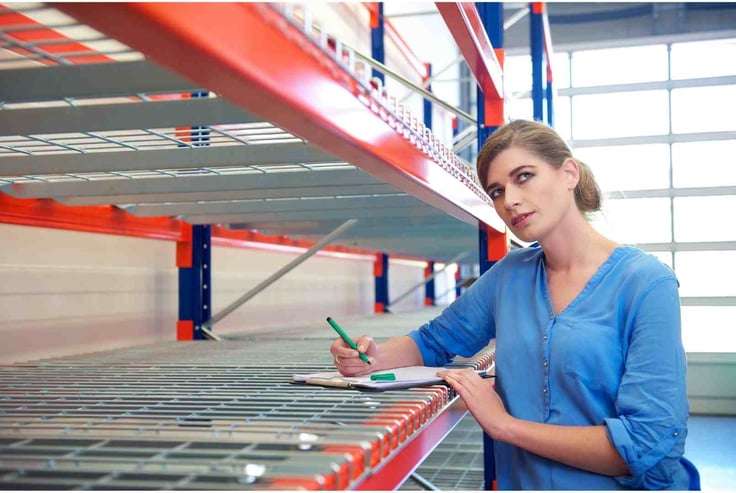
{"x":347,"y":359}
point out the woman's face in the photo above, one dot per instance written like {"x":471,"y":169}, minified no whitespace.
{"x":529,"y":194}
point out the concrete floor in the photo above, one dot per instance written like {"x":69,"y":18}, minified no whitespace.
{"x":457,"y":463}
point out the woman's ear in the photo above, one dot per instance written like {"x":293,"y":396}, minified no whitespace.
{"x":571,"y":170}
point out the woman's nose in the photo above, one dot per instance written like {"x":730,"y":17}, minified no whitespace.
{"x":511,"y":198}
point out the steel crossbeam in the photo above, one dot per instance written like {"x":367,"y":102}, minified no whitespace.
{"x":99,"y":80}
{"x":256,"y":181}
{"x":122,"y":116}
{"x":167,"y":159}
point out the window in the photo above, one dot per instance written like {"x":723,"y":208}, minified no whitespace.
{"x":623,"y":114}
{"x":517,"y":74}
{"x":619,"y":65}
{"x":560,"y":70}
{"x":664,"y":257}
{"x":637,"y":167}
{"x":704,"y":164}
{"x":561,"y":116}
{"x":702,"y":219}
{"x":706,"y":273}
{"x":517,"y":71}
{"x":704,"y":109}
{"x":635,"y":220}
{"x":696,"y":60}
{"x":632,"y":150}
{"x":520,"y":109}
{"x":709,"y":329}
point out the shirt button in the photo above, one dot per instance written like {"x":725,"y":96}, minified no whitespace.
{"x":544,"y":390}
{"x":545,"y":362}
{"x":551,"y":317}
{"x":545,"y":338}
{"x":675,"y":434}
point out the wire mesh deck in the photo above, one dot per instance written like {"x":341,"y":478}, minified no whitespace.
{"x":456,"y":463}
{"x":204,"y":415}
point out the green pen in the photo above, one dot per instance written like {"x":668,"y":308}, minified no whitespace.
{"x":347,"y":338}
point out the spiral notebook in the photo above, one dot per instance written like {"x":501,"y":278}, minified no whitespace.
{"x":406,"y":377}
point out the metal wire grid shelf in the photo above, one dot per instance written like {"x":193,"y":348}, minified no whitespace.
{"x":456,"y":463}
{"x":165,"y":416}
{"x":144,"y":139}
{"x":33,"y":34}
{"x":154,"y":139}
{"x":56,"y":39}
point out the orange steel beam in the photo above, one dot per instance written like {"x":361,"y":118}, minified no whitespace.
{"x":108,"y":219}
{"x":391,"y":475}
{"x":467,"y":28}
{"x":251,"y":55}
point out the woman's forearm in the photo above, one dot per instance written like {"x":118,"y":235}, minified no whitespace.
{"x":397,"y":352}
{"x":584,"y":447}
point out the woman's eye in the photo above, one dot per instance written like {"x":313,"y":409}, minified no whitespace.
{"x":523,"y":177}
{"x":495,"y":193}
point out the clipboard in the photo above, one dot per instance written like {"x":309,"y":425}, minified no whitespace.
{"x":406,"y":377}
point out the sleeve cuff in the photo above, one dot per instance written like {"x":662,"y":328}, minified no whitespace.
{"x":638,"y":466}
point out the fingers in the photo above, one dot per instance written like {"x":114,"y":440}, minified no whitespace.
{"x":364,"y":343}
{"x":347,"y":360}
{"x":341,"y":349}
{"x":351,"y":366}
{"x":465,"y":380}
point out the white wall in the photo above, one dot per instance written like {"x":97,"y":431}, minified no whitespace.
{"x":711,"y":383}
{"x":319,"y":287}
{"x":68,"y":292}
{"x":402,"y":276}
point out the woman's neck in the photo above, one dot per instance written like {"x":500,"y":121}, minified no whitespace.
{"x":574,"y":245}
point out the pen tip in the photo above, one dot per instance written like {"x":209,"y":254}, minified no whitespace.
{"x":329,"y":318}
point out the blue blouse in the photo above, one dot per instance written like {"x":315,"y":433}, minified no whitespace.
{"x":612,"y":357}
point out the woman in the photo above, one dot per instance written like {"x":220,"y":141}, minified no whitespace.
{"x":590,"y":390}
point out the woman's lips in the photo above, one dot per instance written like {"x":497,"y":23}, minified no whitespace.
{"x":521,"y":219}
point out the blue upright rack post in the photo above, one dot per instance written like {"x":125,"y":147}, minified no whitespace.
{"x":377,"y":40}
{"x":195,"y":286}
{"x":380,"y":273}
{"x":491,"y":13}
{"x":427,"y":102}
{"x":429,"y":287}
{"x":194,"y":262}
{"x":536,"y":43}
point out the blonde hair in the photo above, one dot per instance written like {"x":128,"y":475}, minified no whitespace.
{"x":541,"y":140}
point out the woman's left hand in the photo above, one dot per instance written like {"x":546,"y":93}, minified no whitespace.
{"x":480,"y":397}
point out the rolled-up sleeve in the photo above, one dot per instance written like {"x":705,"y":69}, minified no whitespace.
{"x":649,"y":431}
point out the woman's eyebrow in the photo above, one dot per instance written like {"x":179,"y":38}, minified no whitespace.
{"x":511,"y":173}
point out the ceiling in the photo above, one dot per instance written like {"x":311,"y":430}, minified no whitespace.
{"x":576,"y":24}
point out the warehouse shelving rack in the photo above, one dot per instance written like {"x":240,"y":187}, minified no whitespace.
{"x":281,"y":132}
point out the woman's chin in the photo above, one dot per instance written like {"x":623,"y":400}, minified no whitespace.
{"x":524,"y":234}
